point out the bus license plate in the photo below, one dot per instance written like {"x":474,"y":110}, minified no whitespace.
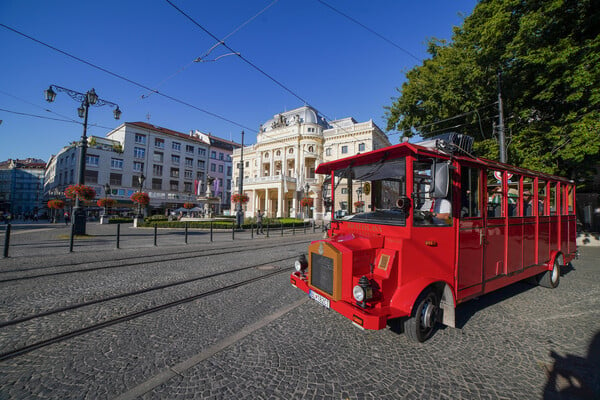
{"x":318,"y":298}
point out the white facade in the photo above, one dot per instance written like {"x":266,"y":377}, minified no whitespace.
{"x":279,"y":170}
{"x":174,"y":165}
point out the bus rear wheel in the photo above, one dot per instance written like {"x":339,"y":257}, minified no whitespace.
{"x":421,"y":324}
{"x":550,"y":279}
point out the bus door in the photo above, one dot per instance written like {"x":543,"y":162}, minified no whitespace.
{"x":543,"y":254}
{"x":495,"y":230}
{"x":516,"y":225}
{"x":529,"y":222}
{"x":471,"y":234}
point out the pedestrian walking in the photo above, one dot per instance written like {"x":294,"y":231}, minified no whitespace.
{"x":67,"y":217}
{"x":259,"y":223}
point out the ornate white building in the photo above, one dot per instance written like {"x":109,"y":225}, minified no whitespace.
{"x":279,"y":170}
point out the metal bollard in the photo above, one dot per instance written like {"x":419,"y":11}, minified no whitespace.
{"x":268,"y":225}
{"x":304,"y":224}
{"x":186,"y":233}
{"x":233,"y":231}
{"x":211,"y":231}
{"x":155,"y":233}
{"x":72,"y":238}
{"x":281,"y":223}
{"x":252,"y":230}
{"x":6,"y":240}
{"x":118,"y":235}
{"x":314,"y":226}
{"x":294,"y":228}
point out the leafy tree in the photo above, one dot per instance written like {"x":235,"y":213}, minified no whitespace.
{"x":548,"y":54}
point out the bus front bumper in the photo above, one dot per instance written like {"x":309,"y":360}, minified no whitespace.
{"x":371,"y":318}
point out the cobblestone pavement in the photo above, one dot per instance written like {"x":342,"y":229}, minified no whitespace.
{"x":265,"y":340}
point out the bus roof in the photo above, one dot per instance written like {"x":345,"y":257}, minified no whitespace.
{"x":405,"y":149}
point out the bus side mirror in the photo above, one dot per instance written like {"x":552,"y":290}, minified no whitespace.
{"x":441,"y":173}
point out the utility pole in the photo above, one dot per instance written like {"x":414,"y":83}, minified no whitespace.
{"x":501,"y":138}
{"x":240,"y":213}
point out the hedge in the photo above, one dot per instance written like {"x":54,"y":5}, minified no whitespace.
{"x":249,"y":223}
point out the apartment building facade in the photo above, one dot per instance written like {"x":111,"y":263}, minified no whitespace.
{"x":174,"y":165}
{"x":21,"y":183}
{"x":220,"y":166}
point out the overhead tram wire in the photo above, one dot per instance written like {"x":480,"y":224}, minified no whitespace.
{"x":371,"y":30}
{"x":237,"y":53}
{"x":249,"y":62}
{"x":128,"y":80}
{"x":39,"y":116}
{"x":206,"y":53}
{"x":476,"y":111}
{"x":66,"y":118}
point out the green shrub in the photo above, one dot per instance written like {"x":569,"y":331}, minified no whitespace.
{"x":120,"y":220}
{"x":157,"y":217}
{"x":248,"y":223}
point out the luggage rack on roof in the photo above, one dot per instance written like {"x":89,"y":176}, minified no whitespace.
{"x":451,"y":143}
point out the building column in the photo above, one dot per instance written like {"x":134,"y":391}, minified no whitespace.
{"x":280,"y":199}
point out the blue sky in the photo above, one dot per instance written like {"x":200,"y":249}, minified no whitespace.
{"x":321,"y":57}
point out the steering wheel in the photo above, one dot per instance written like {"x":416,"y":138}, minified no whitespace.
{"x":421,"y":215}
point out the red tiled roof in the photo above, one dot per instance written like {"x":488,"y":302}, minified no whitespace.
{"x":163,"y":130}
{"x":166,"y":131}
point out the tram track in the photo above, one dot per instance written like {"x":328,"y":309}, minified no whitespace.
{"x":125,"y":318}
{"x":135,"y":292}
{"x":140,"y":260}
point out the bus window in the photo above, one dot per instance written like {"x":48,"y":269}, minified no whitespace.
{"x":373,"y":193}
{"x":564,"y":200}
{"x":571,"y":199}
{"x":528,"y":196}
{"x":494,"y":189}
{"x":513,"y":196}
{"x":542,"y":197}
{"x":552,"y":199}
{"x":427,"y":209}
{"x":469,"y":192}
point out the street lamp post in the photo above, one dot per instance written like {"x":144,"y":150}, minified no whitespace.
{"x":141,"y":180}
{"x":240,"y":214}
{"x":106,"y":193}
{"x":359,"y":195}
{"x":306,"y":189}
{"x":87,"y":99}
{"x":54,"y":193}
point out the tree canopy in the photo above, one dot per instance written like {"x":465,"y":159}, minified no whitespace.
{"x":547,"y":53}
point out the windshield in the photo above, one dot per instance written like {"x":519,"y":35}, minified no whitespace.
{"x":374,"y":193}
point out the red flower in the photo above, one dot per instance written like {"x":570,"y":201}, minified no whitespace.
{"x":82,"y":192}
{"x":359,"y":203}
{"x":106,"y":202}
{"x":140,"y":198}
{"x":237,"y":198}
{"x":56,"y":204}
{"x":188,"y":205}
{"x":306,"y":201}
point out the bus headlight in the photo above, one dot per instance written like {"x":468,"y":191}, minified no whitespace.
{"x":301,"y":264}
{"x":358,"y":293}
{"x":363,"y":292}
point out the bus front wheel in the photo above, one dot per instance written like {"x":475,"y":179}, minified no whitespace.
{"x":421,"y":324}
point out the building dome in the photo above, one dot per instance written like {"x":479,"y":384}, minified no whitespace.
{"x":302,"y":115}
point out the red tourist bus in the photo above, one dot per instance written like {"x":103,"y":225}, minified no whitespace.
{"x":432,"y":227}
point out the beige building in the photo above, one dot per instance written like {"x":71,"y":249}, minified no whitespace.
{"x":279,"y":170}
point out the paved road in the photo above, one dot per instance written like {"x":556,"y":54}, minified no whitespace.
{"x":266,"y":340}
